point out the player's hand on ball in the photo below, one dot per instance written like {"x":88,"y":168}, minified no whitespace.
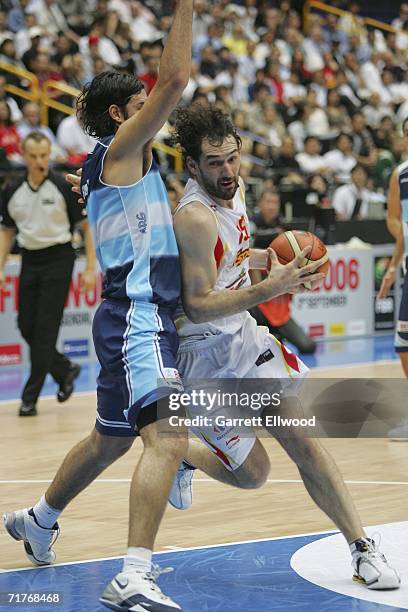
{"x":290,"y":278}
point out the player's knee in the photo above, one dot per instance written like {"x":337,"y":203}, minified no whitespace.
{"x":254,"y":472}
{"x":173,"y":449}
{"x":307,"y":451}
{"x":107,"y":449}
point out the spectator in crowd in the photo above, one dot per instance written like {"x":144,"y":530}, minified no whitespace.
{"x":95,"y":43}
{"x":49,"y":15}
{"x":351,"y":201}
{"x":375,"y":110}
{"x":8,"y":55}
{"x":318,"y":191}
{"x":35,"y":34}
{"x":310,"y":160}
{"x":341,"y":160}
{"x":285,"y":163}
{"x":44,"y":235}
{"x":73,"y":141}
{"x":43,"y":70}
{"x":150,"y":76}
{"x":31,"y":122}
{"x":336,"y":112}
{"x":399,"y":21}
{"x":15,"y":111}
{"x":9,"y":138}
{"x":363,"y":142}
{"x":335,"y":77}
{"x":16,"y":16}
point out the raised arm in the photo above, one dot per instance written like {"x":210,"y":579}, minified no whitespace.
{"x":174,"y":74}
{"x":196,"y":233}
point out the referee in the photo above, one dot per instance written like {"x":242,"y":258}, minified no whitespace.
{"x":42,"y":209}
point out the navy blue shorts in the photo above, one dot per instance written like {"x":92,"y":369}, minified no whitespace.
{"x":401,"y":333}
{"x":136,"y":344}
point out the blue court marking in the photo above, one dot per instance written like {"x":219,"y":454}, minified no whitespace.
{"x":328,"y":353}
{"x":249,"y":577}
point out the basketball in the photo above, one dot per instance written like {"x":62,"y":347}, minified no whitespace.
{"x":290,"y":243}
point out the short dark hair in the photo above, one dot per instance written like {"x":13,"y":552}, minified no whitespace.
{"x":109,"y":87}
{"x":344,"y":135}
{"x":309,"y":138}
{"x":36,"y":137}
{"x":194,"y":124}
{"x":359,"y":167}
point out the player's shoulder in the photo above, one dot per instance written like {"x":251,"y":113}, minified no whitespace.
{"x":195,"y":213}
{"x":402,"y":168}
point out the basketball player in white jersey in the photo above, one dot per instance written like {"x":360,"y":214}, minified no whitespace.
{"x":219,"y":339}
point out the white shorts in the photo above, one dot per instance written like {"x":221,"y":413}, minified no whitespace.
{"x":215,"y":356}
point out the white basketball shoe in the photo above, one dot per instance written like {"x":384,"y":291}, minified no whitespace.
{"x":371,"y":567}
{"x":38,"y":541}
{"x":181,"y":493}
{"x":137,"y":591}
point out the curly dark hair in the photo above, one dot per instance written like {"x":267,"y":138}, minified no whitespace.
{"x":195,"y":123}
{"x":105,"y":89}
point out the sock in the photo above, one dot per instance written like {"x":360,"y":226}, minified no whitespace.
{"x":46,"y":515}
{"x":137,"y":559}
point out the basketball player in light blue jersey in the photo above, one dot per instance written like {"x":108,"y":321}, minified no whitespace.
{"x":397,"y":223}
{"x":134,"y":334}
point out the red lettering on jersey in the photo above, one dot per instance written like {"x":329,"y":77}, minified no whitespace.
{"x":290,"y":358}
{"x":218,"y":252}
{"x":243,"y":232}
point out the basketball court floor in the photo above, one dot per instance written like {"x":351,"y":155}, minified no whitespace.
{"x":253,"y":551}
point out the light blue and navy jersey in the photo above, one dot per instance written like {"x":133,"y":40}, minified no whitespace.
{"x":133,"y":233}
{"x":403,"y":186}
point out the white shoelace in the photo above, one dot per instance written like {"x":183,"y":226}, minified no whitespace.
{"x":152,"y":576}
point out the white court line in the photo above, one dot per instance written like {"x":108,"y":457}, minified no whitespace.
{"x":176,"y":549}
{"x":362,"y":364}
{"x":47,"y":397}
{"x":269,"y":481}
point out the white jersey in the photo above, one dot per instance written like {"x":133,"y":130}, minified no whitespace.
{"x":231,"y":254}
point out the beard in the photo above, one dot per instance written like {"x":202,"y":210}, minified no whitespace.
{"x":219,"y":189}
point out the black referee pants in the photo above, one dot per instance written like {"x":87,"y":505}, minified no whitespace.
{"x":44,"y":282}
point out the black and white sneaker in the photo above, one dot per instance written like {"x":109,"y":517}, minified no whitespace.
{"x":137,"y":591}
{"x":371,"y":567}
{"x":38,"y":541}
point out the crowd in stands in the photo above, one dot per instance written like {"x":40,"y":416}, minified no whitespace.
{"x":311,"y":105}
